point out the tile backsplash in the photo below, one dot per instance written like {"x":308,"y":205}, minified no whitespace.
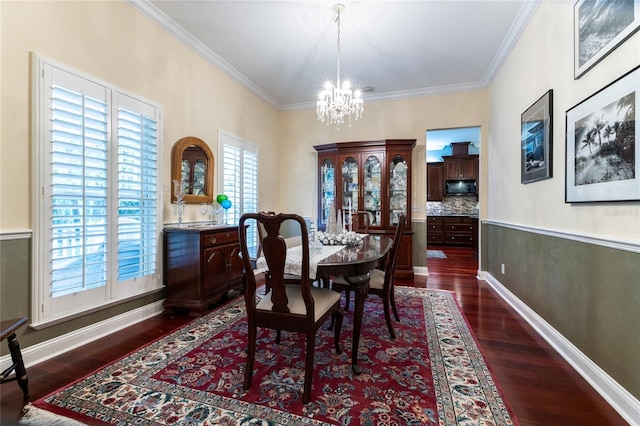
{"x":459,"y":205}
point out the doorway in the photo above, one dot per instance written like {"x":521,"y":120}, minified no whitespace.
{"x":445,"y":149}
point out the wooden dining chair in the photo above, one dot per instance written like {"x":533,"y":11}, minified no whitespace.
{"x":357,"y":217}
{"x":381,"y":281}
{"x":299,"y":308}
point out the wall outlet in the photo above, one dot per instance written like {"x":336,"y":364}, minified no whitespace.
{"x":502,"y":268}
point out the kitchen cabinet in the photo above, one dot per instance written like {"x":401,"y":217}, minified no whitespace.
{"x":371,"y":176}
{"x":462,"y":167}
{"x":452,"y":230}
{"x":435,"y":182}
{"x":435,"y":231}
{"x":201,"y":264}
{"x":460,"y":230}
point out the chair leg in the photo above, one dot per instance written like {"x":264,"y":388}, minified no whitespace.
{"x":387,"y":316}
{"x":347,"y":298}
{"x":337,"y":318}
{"x":251,"y":352}
{"x":308,"y":369}
{"x":278,"y":336}
{"x":393,"y":305}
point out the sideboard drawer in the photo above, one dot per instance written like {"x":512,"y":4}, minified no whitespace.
{"x":210,"y":239}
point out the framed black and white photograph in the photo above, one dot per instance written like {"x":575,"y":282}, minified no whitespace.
{"x":537,"y":140}
{"x":600,"y":27}
{"x":602,"y":155}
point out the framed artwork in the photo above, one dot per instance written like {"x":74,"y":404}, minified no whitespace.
{"x":537,"y":140}
{"x":602,"y":154}
{"x":599,"y":27}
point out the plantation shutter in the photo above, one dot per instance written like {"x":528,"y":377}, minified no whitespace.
{"x":137,"y":193}
{"x":240,"y":181}
{"x":78,"y":190}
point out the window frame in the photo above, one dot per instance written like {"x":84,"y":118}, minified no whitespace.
{"x":45,"y":309}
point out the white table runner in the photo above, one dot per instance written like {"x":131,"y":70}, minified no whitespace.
{"x":293,"y":263}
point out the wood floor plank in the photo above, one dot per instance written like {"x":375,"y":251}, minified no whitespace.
{"x":540,"y":386}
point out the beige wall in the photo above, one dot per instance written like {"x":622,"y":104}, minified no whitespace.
{"x":113,"y":42}
{"x":542,"y":60}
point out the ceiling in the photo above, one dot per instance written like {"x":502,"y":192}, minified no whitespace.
{"x":284,"y":51}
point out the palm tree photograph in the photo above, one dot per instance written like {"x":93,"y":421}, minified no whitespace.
{"x":605,"y":143}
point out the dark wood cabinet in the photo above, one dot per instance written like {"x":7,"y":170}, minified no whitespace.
{"x":463,"y":167}
{"x":201,"y":264}
{"x":452,"y":230}
{"x":372,"y":176}
{"x":460,"y":230}
{"x":435,"y":182}
{"x":435,"y":234}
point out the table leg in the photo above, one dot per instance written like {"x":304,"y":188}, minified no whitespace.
{"x":361,"y":289}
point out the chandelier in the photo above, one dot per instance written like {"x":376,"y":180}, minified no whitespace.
{"x":339,"y":101}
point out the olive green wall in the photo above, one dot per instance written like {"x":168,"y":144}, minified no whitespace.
{"x":15,"y":290}
{"x":419,"y":244}
{"x":588,"y":292}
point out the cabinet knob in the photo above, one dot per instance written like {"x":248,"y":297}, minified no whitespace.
{"x":212,"y":240}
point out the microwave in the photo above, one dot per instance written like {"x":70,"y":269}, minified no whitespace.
{"x":460,"y":187}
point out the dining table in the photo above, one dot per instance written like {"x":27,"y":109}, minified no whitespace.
{"x":352,"y":262}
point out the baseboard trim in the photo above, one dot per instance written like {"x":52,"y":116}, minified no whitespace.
{"x":40,"y":352}
{"x":616,"y":395}
{"x":420,"y":270}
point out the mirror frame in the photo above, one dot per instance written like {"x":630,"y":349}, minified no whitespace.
{"x":176,"y":169}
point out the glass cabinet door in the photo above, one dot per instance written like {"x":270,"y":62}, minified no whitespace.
{"x":350,"y":186}
{"x":372,"y":189}
{"x":327,"y":190}
{"x":397,"y":188}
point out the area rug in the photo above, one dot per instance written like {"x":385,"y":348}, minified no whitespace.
{"x":436,"y":254}
{"x":432,"y":374}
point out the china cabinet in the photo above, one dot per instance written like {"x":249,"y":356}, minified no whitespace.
{"x":201,"y":264}
{"x":370,"y":176}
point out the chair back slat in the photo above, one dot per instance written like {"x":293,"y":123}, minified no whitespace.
{"x":275,"y":254}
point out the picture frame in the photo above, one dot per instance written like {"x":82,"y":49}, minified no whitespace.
{"x":536,"y":142}
{"x":600,"y":27}
{"x":602,"y":158}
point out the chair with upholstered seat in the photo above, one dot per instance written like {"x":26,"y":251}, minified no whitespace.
{"x":299,"y":308}
{"x":360,"y":221}
{"x":381,"y":281}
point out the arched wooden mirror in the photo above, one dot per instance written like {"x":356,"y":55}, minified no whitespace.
{"x":192,"y":165}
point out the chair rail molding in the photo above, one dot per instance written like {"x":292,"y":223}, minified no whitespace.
{"x":604,"y":242}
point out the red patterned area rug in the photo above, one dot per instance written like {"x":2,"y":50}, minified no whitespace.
{"x":432,"y":374}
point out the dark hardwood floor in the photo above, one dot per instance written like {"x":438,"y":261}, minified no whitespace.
{"x":541,"y":388}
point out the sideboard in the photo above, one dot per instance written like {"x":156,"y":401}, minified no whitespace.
{"x":201,"y":264}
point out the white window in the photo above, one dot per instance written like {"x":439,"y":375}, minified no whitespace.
{"x":97,"y":204}
{"x":238,"y":174}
